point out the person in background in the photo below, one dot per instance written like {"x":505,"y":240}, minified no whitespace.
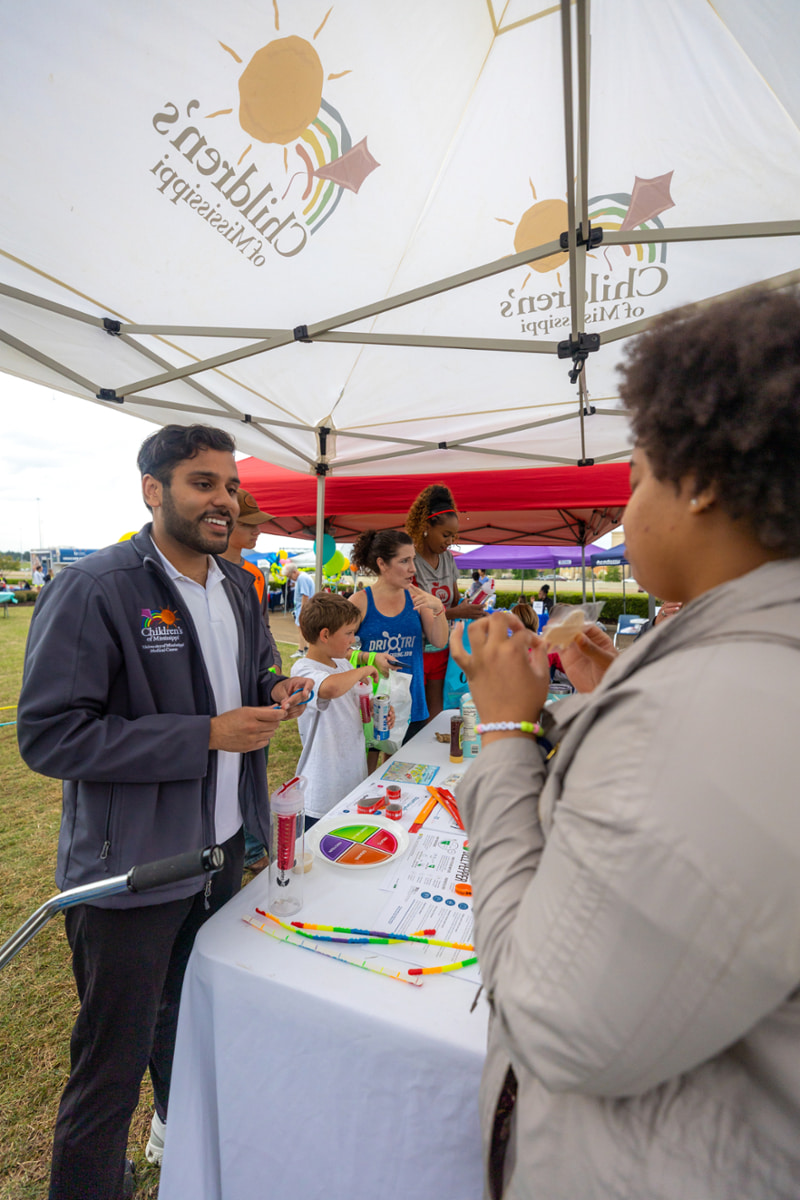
{"x":475,"y":586}
{"x":668,"y":609}
{"x":37,"y":576}
{"x":146,"y":690}
{"x":395,"y":616}
{"x":334,"y":759}
{"x":432,"y":524}
{"x":303,"y":591}
{"x":637,"y":898}
{"x":527,"y":615}
{"x":244,"y":536}
{"x":545,"y":597}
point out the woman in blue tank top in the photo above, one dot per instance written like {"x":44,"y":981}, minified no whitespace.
{"x":396,"y":616}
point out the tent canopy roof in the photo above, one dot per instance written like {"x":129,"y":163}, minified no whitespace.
{"x":396,"y":256}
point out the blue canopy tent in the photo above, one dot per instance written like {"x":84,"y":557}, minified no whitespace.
{"x":615,"y":557}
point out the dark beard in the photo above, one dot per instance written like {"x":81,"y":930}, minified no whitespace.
{"x":189,"y":533}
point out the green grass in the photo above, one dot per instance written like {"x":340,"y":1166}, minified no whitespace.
{"x":38,"y":1003}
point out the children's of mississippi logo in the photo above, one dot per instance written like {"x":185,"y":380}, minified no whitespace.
{"x":161,"y":629}
{"x":624,"y":276}
{"x":256,"y":198}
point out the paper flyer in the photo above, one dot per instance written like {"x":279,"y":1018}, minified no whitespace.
{"x":419,"y":773}
{"x":433,"y":860}
{"x":450,"y":916}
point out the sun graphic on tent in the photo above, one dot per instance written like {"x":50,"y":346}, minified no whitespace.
{"x":546,"y":220}
{"x":281,"y":103}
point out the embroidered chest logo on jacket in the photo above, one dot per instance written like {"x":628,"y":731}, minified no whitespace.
{"x":162,"y":631}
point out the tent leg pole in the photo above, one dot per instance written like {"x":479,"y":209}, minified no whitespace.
{"x":320,"y":529}
{"x":583,"y":572}
{"x":554,"y":585}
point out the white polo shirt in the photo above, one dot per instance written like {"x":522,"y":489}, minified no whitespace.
{"x":211,"y":612}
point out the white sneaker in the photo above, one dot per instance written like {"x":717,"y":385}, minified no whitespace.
{"x":154,"y":1151}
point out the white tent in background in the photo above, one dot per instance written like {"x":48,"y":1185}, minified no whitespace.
{"x":361,"y":237}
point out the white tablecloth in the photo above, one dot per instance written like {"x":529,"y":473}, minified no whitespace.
{"x":297,"y":1077}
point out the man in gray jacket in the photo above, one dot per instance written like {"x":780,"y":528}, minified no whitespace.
{"x":147,"y":691}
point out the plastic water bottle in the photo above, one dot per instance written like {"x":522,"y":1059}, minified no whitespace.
{"x":470,"y":738}
{"x":286,"y":858}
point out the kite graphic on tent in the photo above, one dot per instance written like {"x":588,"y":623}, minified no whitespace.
{"x":281,"y":102}
{"x":638,"y":209}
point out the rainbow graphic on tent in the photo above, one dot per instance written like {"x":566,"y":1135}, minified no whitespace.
{"x":640,"y":208}
{"x":281,"y":103}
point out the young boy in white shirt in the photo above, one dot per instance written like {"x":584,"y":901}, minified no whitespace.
{"x":337,"y":760}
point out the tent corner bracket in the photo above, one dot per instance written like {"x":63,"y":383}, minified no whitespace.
{"x":585,"y":462}
{"x":110,"y":395}
{"x":300,"y":334}
{"x":112,"y":327}
{"x":578,"y":349}
{"x":590,"y":240}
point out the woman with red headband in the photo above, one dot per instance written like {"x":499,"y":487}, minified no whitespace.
{"x":432,"y":524}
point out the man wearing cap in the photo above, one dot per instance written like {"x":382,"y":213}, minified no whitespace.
{"x":244,"y":535}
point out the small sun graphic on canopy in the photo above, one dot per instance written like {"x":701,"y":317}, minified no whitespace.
{"x":546,"y":220}
{"x":281,"y":103}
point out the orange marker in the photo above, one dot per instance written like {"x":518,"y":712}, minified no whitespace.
{"x":423,"y":815}
{"x":448,"y":803}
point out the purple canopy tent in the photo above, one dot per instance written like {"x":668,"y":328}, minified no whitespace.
{"x":529,"y":558}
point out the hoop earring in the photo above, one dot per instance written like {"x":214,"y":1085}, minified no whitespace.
{"x":424,"y":533}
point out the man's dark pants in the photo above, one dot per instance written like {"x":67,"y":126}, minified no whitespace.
{"x":129,"y":965}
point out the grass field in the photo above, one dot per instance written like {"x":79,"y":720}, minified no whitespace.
{"x":37,"y":995}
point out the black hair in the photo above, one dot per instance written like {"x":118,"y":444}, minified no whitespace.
{"x":476,"y":575}
{"x":374,"y":544}
{"x":162,"y":451}
{"x":715,"y":397}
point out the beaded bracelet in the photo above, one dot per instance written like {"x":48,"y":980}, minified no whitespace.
{"x":507,"y":726}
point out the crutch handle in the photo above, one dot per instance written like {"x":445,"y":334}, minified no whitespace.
{"x":171,"y":870}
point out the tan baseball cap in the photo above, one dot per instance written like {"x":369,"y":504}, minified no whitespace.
{"x":249,"y":512}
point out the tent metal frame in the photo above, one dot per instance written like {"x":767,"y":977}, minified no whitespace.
{"x":578,"y":239}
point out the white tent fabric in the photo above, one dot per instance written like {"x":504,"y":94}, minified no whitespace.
{"x":188,"y":182}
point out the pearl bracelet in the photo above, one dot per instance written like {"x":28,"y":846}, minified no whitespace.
{"x":507,"y":726}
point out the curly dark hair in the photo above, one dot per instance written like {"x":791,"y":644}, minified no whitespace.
{"x":374,"y":544}
{"x":430,"y":508}
{"x":716,"y":397}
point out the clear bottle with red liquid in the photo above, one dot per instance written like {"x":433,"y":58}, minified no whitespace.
{"x":286,"y":848}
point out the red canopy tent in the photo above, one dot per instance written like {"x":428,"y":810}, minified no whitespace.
{"x":540,"y":506}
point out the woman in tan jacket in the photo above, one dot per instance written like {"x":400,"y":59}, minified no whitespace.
{"x":637,"y":896}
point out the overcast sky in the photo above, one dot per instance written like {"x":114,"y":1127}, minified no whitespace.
{"x":68,"y":474}
{"x":68,"y":471}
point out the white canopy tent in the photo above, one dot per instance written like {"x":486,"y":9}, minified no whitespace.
{"x":361,"y":237}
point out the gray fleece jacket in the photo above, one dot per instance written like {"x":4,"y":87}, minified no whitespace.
{"x":117,"y":703}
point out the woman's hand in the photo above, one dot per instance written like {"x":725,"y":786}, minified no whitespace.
{"x":425,"y":600}
{"x":385,"y":663}
{"x":466,"y":612}
{"x":508,"y":671}
{"x":587,"y":659}
{"x":390,"y":720}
